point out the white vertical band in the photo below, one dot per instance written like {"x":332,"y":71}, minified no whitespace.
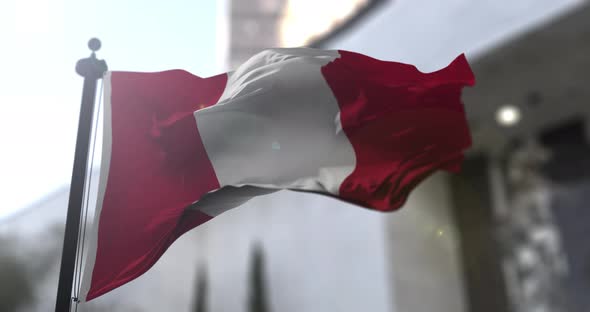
{"x":277,"y":125}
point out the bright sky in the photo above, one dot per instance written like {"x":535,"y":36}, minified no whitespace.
{"x":40,"y":42}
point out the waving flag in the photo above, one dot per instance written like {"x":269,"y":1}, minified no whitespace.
{"x":179,"y":150}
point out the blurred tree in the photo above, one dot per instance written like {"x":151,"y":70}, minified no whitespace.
{"x":200,"y":303}
{"x":532,"y":240}
{"x":16,"y":289}
{"x":257,"y":284}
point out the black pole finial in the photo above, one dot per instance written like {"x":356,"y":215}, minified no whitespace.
{"x":94,"y":44}
{"x":91,"y":69}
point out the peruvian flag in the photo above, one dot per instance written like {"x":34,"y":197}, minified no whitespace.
{"x":178,"y":150}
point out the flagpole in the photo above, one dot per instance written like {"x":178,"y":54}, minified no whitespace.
{"x":91,"y":69}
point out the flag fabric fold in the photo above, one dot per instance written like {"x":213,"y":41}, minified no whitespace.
{"x":179,"y":150}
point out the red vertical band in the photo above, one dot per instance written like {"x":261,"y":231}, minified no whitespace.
{"x":158,"y":167}
{"x":403,"y":124}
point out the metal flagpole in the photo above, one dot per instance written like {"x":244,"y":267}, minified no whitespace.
{"x":91,"y":69}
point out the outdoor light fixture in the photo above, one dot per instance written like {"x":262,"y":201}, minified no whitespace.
{"x":508,"y":115}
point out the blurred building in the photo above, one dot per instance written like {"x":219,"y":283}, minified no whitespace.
{"x":259,"y":24}
{"x":507,"y":234}
{"x":449,"y":249}
{"x":529,"y":115}
{"x":254,"y":25}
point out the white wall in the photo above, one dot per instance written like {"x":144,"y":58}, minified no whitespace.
{"x":320,"y":254}
{"x":424,"y":251}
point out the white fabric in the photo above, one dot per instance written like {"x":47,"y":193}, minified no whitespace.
{"x":277,"y":125}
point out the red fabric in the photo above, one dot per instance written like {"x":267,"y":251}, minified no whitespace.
{"x":158,"y":168}
{"x":403,"y":124}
